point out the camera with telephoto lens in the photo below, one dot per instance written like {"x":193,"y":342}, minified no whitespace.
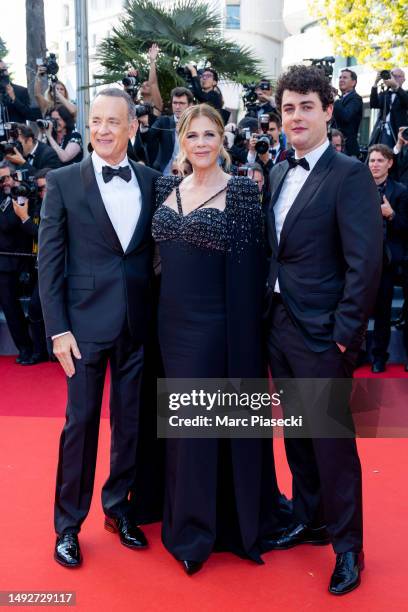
{"x":7,"y":146}
{"x":44,"y":124}
{"x":51,"y":66}
{"x":325,"y":64}
{"x":385,"y":75}
{"x":143,"y":109}
{"x":263,"y":143}
{"x":27,"y":187}
{"x":132,"y":83}
{"x":185,"y":74}
{"x":404,"y":133}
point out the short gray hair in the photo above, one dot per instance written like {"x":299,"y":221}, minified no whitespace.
{"x":115,"y":92}
{"x":7,"y":164}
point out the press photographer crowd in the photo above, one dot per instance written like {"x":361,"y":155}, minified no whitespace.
{"x":36,"y":138}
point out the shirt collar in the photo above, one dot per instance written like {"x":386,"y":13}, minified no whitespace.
{"x":34,"y":150}
{"x":98,"y":162}
{"x":313,"y":156}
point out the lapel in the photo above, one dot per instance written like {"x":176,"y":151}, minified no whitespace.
{"x":389,"y":190}
{"x":145,"y":210}
{"x":94,"y":199}
{"x":278,"y":175}
{"x":313,"y":181}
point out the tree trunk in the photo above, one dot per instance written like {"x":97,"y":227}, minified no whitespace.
{"x":36,"y":46}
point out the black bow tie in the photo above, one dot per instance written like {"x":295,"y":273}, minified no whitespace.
{"x":293,"y":162}
{"x":30,"y":157}
{"x":123,"y":172}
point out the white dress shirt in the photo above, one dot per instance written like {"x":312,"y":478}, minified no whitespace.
{"x":122,"y":200}
{"x":294,"y":181}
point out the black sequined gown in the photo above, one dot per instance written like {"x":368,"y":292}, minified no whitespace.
{"x":220,"y":494}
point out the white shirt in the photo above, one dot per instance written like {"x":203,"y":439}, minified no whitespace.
{"x":294,"y":181}
{"x":122,"y":200}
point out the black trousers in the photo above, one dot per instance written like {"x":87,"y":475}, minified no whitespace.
{"x":383,"y":309}
{"x":326,"y":472}
{"x":13,"y":310}
{"x":79,"y":439}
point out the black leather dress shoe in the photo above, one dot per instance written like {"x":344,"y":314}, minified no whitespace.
{"x":24,"y":355}
{"x":130,"y":535}
{"x":191,"y":567}
{"x":378,"y":366}
{"x":300,"y":534}
{"x":34,"y":359}
{"x":346,"y":575}
{"x":67,"y":551}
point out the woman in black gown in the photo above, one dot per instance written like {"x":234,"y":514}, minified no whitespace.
{"x":220,"y":494}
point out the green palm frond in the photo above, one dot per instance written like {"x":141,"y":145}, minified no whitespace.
{"x":3,"y":48}
{"x":189,"y":31}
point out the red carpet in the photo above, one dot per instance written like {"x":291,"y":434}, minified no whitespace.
{"x":114,"y":578}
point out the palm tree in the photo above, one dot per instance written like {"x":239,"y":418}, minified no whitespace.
{"x":189,"y":31}
{"x":3,"y":49}
{"x":36,"y":47}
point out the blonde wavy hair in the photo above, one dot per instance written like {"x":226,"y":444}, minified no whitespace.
{"x":183,"y":126}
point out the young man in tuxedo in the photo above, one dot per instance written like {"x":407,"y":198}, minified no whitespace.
{"x":95,"y":262}
{"x":325,"y":234}
{"x":394,"y":209}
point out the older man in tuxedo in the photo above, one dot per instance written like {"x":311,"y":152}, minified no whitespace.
{"x":95,"y":261}
{"x":325,"y":233}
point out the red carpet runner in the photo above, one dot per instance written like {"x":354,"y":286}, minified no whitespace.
{"x":114,"y":578}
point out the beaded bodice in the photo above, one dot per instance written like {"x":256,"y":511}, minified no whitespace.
{"x":206,"y":226}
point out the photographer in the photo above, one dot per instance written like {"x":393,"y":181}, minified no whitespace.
{"x":14,"y":99}
{"x":265,"y":98}
{"x":205,"y":87}
{"x":35,"y":154}
{"x":29,"y":215}
{"x":400,"y":167}
{"x":62,"y":137}
{"x":164,"y":131}
{"x":55,"y":94}
{"x":394,"y":208}
{"x":10,"y":242}
{"x":266,"y":149}
{"x":393,"y":105}
{"x":348,"y":111}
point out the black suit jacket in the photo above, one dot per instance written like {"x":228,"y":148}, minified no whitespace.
{"x":87,"y":283}
{"x":11,"y":238}
{"x":396,"y":230}
{"x":328,"y":260}
{"x":162,"y":131}
{"x":20,"y":110}
{"x":399,"y":109}
{"x":399,"y":169}
{"x":347,"y":115}
{"x":45,"y":157}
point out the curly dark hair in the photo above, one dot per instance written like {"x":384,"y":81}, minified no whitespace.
{"x":304,"y":79}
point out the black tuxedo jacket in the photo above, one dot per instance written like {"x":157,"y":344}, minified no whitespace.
{"x":347,"y":115}
{"x":88,"y":284}
{"x":11,"y":238}
{"x":163,"y":131}
{"x":329,"y":257}
{"x":396,"y":230}
{"x":399,"y":109}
